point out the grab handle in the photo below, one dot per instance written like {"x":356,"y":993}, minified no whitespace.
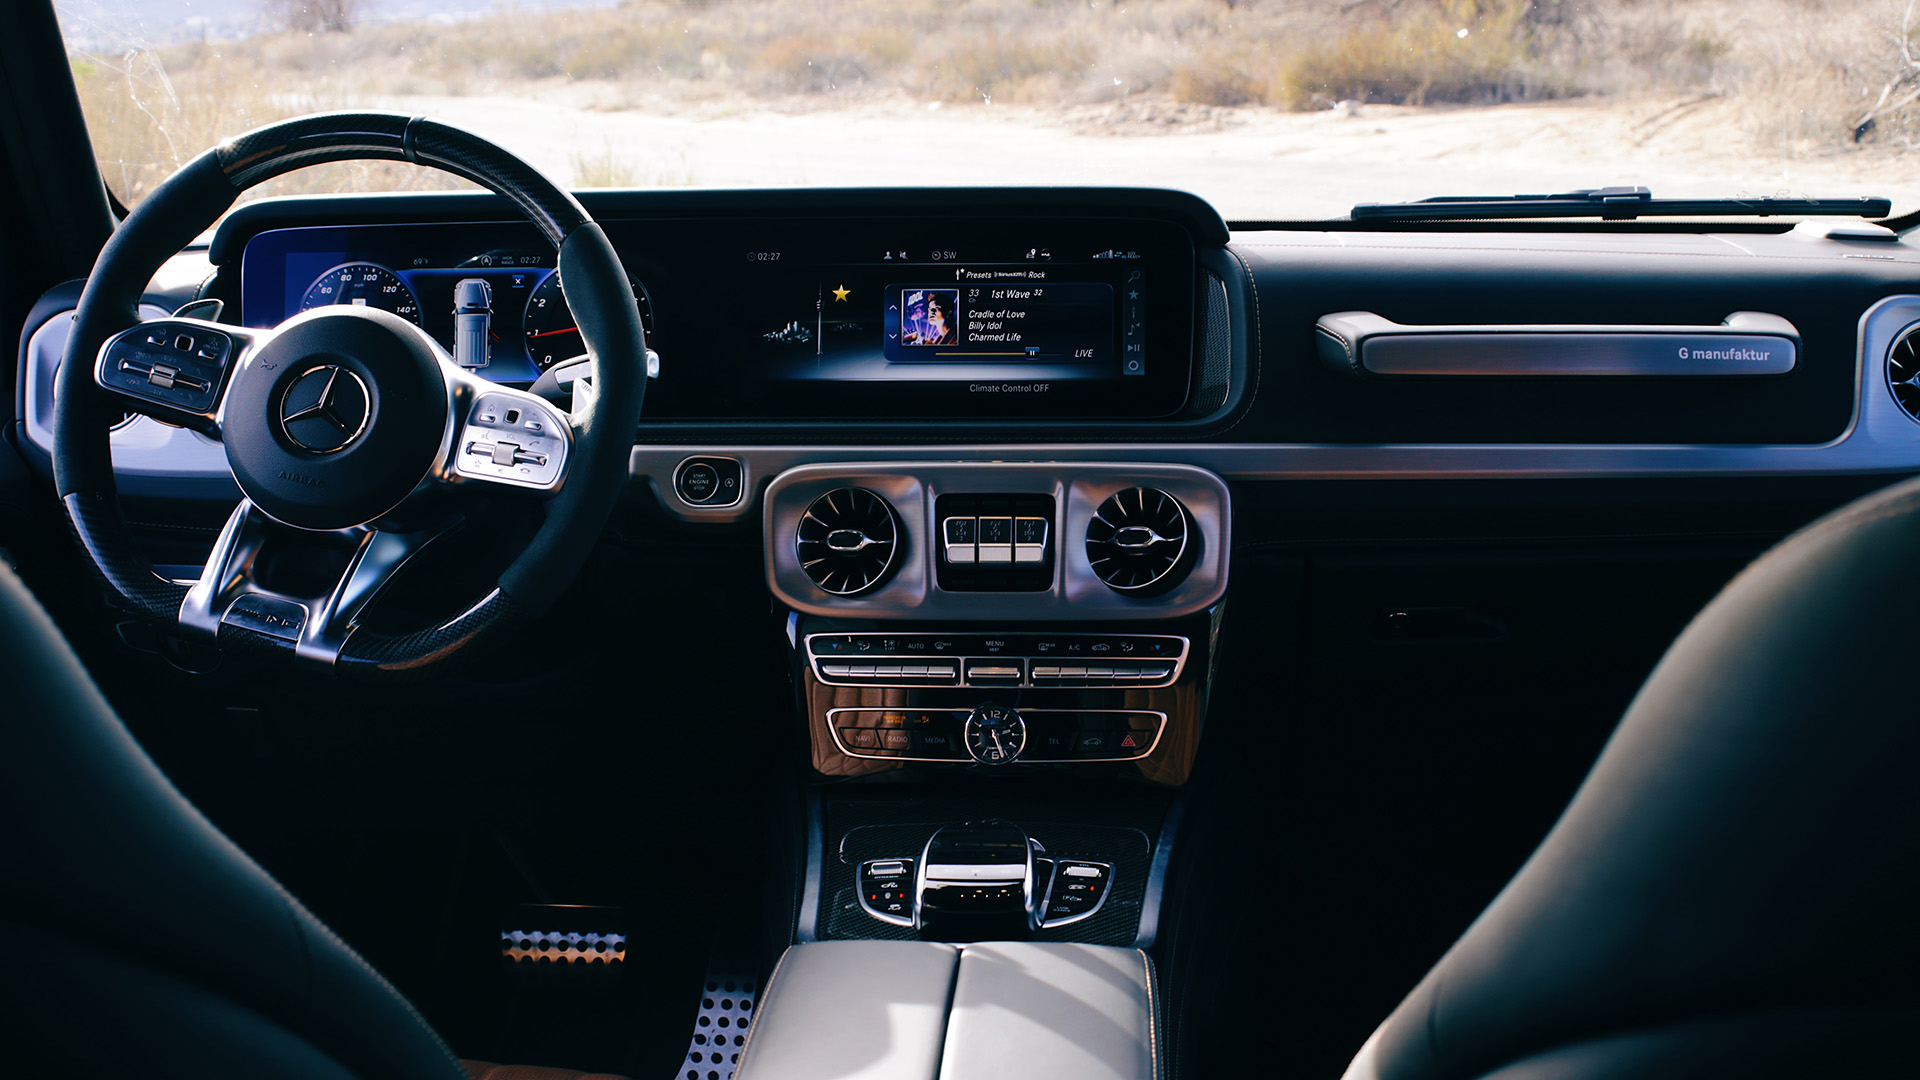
{"x":1748,"y":343}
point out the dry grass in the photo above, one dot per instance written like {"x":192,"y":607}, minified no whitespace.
{"x":1802,"y":72}
{"x":147,"y":119}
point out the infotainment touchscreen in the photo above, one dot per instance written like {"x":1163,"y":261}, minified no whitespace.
{"x":892,"y":318}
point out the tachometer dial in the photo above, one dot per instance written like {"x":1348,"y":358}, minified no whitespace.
{"x":552,"y":335}
{"x":364,"y":284}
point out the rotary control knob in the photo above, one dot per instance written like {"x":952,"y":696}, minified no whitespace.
{"x":995,"y":734}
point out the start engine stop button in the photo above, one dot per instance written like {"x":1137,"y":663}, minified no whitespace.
{"x":709,"y":481}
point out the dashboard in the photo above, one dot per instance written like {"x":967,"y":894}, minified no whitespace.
{"x":873,"y":316}
{"x":1221,"y":361}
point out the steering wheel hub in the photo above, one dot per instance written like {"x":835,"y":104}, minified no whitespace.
{"x":325,"y":410}
{"x":336,"y":419}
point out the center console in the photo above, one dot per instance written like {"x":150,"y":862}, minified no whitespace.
{"x":1003,"y":671}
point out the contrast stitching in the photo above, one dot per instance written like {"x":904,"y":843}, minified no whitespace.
{"x":1253,"y":352}
{"x":1153,"y":1035}
{"x":766,"y":1002}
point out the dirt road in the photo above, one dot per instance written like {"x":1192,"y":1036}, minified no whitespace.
{"x":1251,"y":163}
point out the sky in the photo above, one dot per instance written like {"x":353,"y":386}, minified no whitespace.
{"x":103,"y":25}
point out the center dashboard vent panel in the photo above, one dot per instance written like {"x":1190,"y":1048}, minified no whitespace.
{"x":848,"y":541}
{"x":1142,"y":542}
{"x":1903,"y":372}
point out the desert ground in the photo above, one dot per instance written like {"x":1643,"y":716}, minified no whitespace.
{"x":1252,"y":163}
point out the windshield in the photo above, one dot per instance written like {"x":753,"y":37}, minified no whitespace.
{"x":1270,"y":109}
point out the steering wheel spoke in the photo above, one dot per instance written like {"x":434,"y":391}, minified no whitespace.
{"x":506,"y":436}
{"x":176,"y":369}
{"x":315,"y":624}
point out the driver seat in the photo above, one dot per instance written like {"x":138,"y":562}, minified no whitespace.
{"x":139,"y":940}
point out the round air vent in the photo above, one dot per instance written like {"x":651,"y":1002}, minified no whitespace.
{"x":848,"y":541}
{"x":1903,"y":372}
{"x":1141,"y":541}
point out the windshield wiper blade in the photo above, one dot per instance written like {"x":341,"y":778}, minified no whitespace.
{"x":1614,"y":203}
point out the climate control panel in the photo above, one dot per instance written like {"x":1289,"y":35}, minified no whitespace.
{"x":1064,"y":661}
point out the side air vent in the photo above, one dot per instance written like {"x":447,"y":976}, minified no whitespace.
{"x":1142,"y":542}
{"x":848,"y":542}
{"x":1903,"y":372}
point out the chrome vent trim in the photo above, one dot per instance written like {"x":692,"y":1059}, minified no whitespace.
{"x":848,"y":541}
{"x":1141,"y":541}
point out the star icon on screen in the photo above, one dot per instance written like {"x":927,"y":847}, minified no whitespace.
{"x":841,"y":293}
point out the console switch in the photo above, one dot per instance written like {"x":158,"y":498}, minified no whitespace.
{"x":994,"y":672}
{"x":958,"y":539}
{"x":886,"y":890}
{"x":1077,"y":891}
{"x":1030,"y":540}
{"x":996,"y":540}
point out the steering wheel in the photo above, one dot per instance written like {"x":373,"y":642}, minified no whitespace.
{"x":345,"y":426}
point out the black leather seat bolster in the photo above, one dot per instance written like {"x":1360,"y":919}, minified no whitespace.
{"x":118,"y":858}
{"x":1748,"y":841}
{"x":74,"y":1009}
{"x":1778,"y":1042}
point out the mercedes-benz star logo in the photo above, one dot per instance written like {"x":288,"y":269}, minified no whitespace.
{"x":325,"y":409}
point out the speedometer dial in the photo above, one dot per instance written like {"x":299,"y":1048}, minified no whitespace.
{"x":363,"y":284}
{"x":552,"y":335}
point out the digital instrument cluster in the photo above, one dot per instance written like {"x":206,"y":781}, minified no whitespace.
{"x":416,"y":273}
{"x":893,"y":318}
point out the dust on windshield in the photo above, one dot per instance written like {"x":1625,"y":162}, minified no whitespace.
{"x":1271,"y":109}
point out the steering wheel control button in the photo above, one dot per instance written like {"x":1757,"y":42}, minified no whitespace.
{"x":172,"y":364}
{"x":511,"y":441}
